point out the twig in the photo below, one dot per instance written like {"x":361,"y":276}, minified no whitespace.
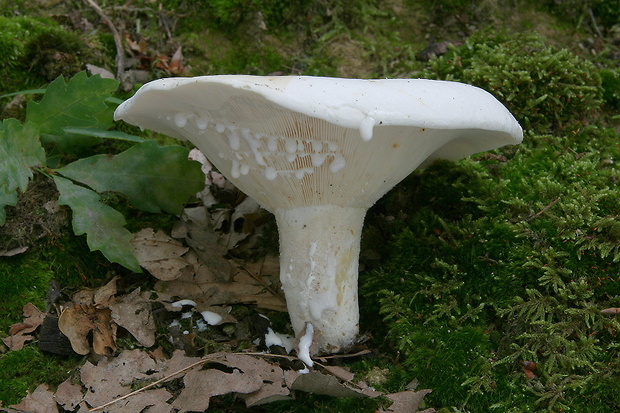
{"x":542,"y":211}
{"x":598,"y":31}
{"x":260,"y":280}
{"x":118,"y":40}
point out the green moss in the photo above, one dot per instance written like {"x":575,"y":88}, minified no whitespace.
{"x":545,"y":88}
{"x":36,"y":51}
{"x":516,"y":252}
{"x":610,"y":80}
{"x":22,"y":281}
{"x":23,"y":370}
{"x":25,"y":278}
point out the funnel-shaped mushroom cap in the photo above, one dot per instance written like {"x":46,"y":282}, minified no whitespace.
{"x":302,"y":141}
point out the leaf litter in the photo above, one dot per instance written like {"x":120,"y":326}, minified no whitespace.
{"x":196,"y":279}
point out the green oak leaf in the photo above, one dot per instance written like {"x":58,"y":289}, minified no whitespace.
{"x":103,"y":225}
{"x":80,"y":102}
{"x":6,"y":198}
{"x":20,"y":150}
{"x":153,"y":177}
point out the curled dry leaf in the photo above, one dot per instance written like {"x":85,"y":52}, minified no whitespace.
{"x":611,"y":311}
{"x":159,"y":254}
{"x":78,"y":321}
{"x":20,"y":332}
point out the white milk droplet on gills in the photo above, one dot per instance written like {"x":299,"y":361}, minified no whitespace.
{"x":317,"y":146}
{"x":272,"y":144}
{"x":337,"y":164}
{"x":290,"y":145}
{"x":234,"y":141}
{"x":317,"y":159}
{"x":244,"y":169}
{"x":234,"y":171}
{"x":255,"y":145}
{"x":270,"y":173}
{"x":180,"y":120}
{"x":220,"y":127}
{"x":202,"y":123}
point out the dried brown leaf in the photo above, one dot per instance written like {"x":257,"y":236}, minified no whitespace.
{"x":133,"y":313}
{"x":201,"y":385}
{"x":204,"y":288}
{"x":175,"y":67}
{"x":153,"y":400}
{"x":68,"y":395}
{"x":20,"y":332}
{"x":41,"y":400}
{"x":111,"y":378}
{"x":103,"y":295}
{"x":406,"y":401}
{"x":611,"y":311}
{"x":255,"y":379}
{"x":159,"y":254}
{"x":77,"y":321}
{"x":343,"y":373}
{"x":319,"y":383}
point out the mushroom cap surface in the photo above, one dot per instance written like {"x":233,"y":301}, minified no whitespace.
{"x":319,"y":140}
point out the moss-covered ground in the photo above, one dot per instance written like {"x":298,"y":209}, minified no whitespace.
{"x":485,"y":265}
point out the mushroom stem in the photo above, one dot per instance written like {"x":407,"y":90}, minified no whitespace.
{"x":319,"y":252}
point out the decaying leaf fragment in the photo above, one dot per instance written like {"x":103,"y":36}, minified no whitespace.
{"x":20,"y":332}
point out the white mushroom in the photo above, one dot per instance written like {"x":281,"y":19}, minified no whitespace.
{"x":318,"y":152}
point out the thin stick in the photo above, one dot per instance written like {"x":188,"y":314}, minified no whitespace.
{"x":118,"y":40}
{"x":260,"y":280}
{"x":542,"y":211}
